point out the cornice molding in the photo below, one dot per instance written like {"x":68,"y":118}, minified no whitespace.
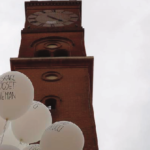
{"x":54,"y":29}
{"x":52,"y":3}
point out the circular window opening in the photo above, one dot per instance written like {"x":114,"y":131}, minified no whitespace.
{"x":42,"y":53}
{"x":51,"y":76}
{"x":61,"y":53}
{"x":51,"y":46}
{"x":50,"y":103}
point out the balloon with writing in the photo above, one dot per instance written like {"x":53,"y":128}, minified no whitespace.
{"x":16,"y":95}
{"x":8,"y":147}
{"x":30,"y":127}
{"x":10,"y":139}
{"x":3,"y":123}
{"x":62,"y":135}
{"x":32,"y":147}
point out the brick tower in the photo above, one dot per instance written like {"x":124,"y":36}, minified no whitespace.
{"x":52,"y":55}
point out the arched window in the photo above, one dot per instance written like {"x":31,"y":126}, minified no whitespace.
{"x":42,"y":53}
{"x":61,"y":53}
{"x":50,"y":103}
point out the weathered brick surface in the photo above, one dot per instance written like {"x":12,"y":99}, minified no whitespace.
{"x":73,"y":92}
{"x":73,"y":89}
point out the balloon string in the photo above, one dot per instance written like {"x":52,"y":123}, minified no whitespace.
{"x":21,"y":143}
{"x":4,"y":131}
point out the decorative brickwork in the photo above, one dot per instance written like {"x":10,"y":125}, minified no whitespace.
{"x":52,"y":3}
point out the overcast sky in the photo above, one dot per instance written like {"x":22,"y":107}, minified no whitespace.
{"x":117,"y":34}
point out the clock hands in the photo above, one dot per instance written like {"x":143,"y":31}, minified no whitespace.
{"x":54,"y":18}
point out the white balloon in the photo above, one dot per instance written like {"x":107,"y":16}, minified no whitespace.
{"x":8,"y":147}
{"x":3,"y":123}
{"x":32,"y":147}
{"x":16,"y":95}
{"x":30,"y":127}
{"x":62,"y":135}
{"x":10,"y":139}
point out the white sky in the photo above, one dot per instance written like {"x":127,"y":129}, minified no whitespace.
{"x":117,"y":34}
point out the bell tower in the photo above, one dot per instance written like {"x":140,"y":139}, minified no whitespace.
{"x":53,"y":56}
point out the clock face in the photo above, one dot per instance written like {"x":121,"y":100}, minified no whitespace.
{"x":53,"y":18}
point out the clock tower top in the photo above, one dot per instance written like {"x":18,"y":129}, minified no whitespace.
{"x":52,"y":54}
{"x":52,"y":29}
{"x":47,"y":14}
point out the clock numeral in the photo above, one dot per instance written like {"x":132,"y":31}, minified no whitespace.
{"x":43,"y":11}
{"x":67,"y":23}
{"x":41,"y":24}
{"x":34,"y":14}
{"x":68,"y":13}
{"x":63,"y":11}
{"x":52,"y":25}
{"x":31,"y":18}
{"x":70,"y":20}
{"x":33,"y":22}
{"x":63,"y":24}
{"x":74,"y":17}
{"x":60,"y":24}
